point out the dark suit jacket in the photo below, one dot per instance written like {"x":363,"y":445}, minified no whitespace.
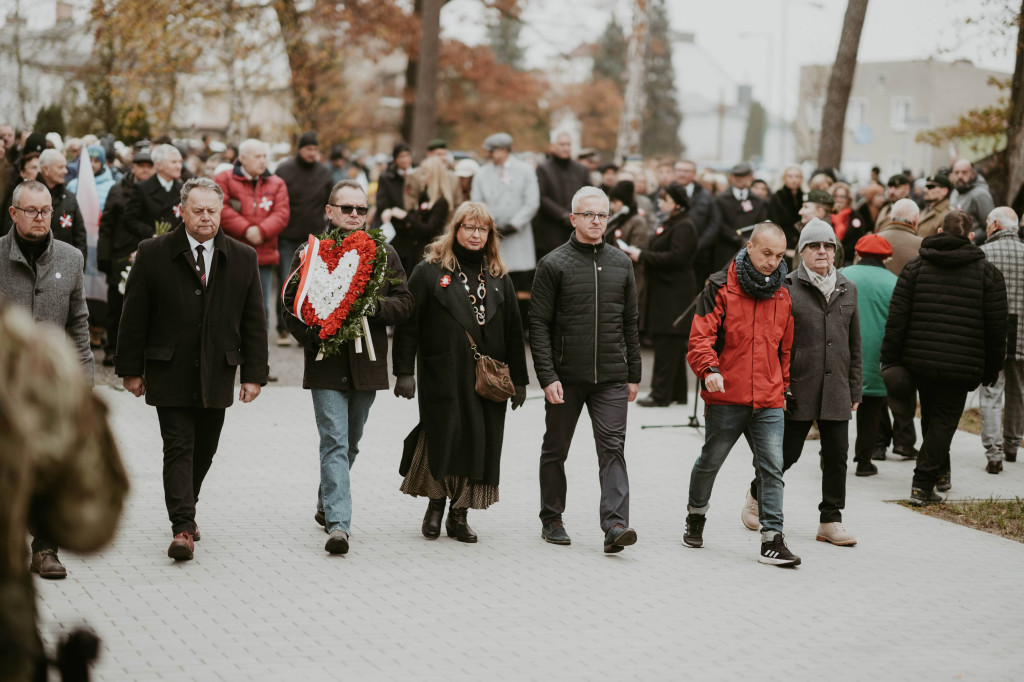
{"x":732,"y":216}
{"x":149,"y":202}
{"x":186,"y":340}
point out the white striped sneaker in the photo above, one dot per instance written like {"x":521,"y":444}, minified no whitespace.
{"x":777,"y":554}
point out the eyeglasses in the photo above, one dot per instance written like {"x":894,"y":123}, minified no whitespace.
{"x":814,"y":246}
{"x":31,"y":213}
{"x":348,"y":208}
{"x":589,"y":217}
{"x":474,"y":229}
{"x":930,"y":186}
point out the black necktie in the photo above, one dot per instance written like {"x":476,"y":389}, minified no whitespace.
{"x":201,"y":264}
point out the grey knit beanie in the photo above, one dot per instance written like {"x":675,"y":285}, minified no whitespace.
{"x":816,"y":230}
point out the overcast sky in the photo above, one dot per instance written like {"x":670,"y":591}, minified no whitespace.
{"x":741,"y":34}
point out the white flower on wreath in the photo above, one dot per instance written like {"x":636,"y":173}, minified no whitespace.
{"x":328,"y":289}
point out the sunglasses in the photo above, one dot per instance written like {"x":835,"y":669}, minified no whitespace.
{"x":930,"y":186}
{"x":814,"y":246}
{"x":348,"y":208}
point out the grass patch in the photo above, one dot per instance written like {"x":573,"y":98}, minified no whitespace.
{"x":994,"y":515}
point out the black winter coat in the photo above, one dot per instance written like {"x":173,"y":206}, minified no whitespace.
{"x":150,"y":203}
{"x":583,"y":316}
{"x":703,"y":214}
{"x":733,"y":216}
{"x":947,"y":316}
{"x":671,"y":282}
{"x":309,"y":189}
{"x":186,"y":340}
{"x":784,"y":210}
{"x":116,"y":243}
{"x":417,"y":229}
{"x":390,"y":193}
{"x":66,"y":223}
{"x":558,"y":180}
{"x":464,"y":432}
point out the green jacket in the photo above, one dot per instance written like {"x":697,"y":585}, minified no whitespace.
{"x":874,"y":289}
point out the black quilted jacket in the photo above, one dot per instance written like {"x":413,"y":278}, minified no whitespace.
{"x":947,"y":317}
{"x":583,"y":316}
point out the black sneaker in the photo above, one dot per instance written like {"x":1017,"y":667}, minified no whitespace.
{"x":944,"y":483}
{"x":866,"y":469}
{"x":320,"y":519}
{"x":909,"y":452}
{"x":1007,"y":457}
{"x":777,"y":554}
{"x":878,"y":455}
{"x":994,"y":467}
{"x":618,"y":538}
{"x":920,"y":497}
{"x":694,"y":534}
{"x":554,"y":533}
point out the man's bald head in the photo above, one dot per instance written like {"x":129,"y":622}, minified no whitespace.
{"x":766,"y":248}
{"x":962,"y":174}
{"x":764,"y":229}
{"x":906,"y":211}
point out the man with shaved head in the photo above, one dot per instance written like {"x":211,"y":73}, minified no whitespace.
{"x":972,"y":196}
{"x":740,"y":344}
{"x":1002,"y":424}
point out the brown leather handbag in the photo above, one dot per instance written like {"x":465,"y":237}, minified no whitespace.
{"x":493,"y":381}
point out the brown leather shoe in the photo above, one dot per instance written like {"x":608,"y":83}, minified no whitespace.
{"x":48,"y":566}
{"x":182,"y":547}
{"x":195,"y":535}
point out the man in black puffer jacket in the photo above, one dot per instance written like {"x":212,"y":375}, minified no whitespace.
{"x":586,"y":351}
{"x":947,"y":329}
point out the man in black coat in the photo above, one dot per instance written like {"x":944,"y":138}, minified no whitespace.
{"x":586,"y":352}
{"x":737,"y":208}
{"x":559,"y":178}
{"x":193,"y":315}
{"x":945,"y":334}
{"x":154,"y":206}
{"x":703,"y":214}
{"x":66,"y":224}
{"x":116,"y":244}
{"x":309,"y":185}
{"x":344,"y":386}
{"x":391,"y":183}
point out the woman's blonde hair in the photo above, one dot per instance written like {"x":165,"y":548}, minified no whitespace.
{"x":436,"y":180}
{"x":440,"y":250}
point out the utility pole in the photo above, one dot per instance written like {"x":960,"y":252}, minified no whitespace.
{"x":424,"y":122}
{"x":631,"y":123}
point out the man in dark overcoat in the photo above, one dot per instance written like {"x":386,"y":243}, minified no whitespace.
{"x":154,"y":205}
{"x":737,"y":208}
{"x":193,"y":316}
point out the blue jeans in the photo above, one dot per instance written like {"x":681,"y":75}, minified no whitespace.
{"x":764,"y":429}
{"x":286,"y":249}
{"x":340,"y":417}
{"x":267,"y":283}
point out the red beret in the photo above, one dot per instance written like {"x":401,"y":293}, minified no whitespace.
{"x":874,"y":245}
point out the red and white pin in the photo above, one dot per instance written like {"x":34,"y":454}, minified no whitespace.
{"x":445,"y":281}
{"x":661,"y":228}
{"x":177,"y":210}
{"x":65,"y":221}
{"x":266,"y":203}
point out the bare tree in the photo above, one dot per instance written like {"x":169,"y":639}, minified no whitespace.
{"x":424,"y":122}
{"x":631,"y":123}
{"x":833,"y":117}
{"x":1015,"y":129}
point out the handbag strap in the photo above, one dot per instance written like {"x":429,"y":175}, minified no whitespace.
{"x":472,"y":344}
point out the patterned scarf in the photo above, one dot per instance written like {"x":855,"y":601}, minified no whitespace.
{"x":753,"y":282}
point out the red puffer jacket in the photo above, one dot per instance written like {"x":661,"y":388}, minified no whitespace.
{"x":747,"y":339}
{"x":262,"y":202}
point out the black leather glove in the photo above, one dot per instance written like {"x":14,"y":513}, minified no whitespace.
{"x":405,"y":386}
{"x":519,"y":398}
{"x":790,"y":403}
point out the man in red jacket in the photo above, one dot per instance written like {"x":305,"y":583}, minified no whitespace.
{"x":739,"y":348}
{"x":256,"y":210}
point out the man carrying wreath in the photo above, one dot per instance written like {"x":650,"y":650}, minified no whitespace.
{"x":344,"y":384}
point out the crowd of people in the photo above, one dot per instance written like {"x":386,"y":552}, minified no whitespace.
{"x":796,"y":311}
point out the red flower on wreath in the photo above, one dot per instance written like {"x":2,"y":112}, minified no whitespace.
{"x":330,"y":253}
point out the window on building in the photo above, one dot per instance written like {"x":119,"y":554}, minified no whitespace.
{"x":899,"y":113}
{"x":856,"y":113}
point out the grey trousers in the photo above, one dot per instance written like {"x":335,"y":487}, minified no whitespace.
{"x":607,"y":405}
{"x":1002,"y":423}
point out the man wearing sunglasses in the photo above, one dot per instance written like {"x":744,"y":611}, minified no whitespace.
{"x":344,"y":386}
{"x":44,"y":276}
{"x":936,"y":195}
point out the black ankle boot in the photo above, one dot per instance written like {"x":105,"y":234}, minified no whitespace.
{"x":457,"y":527}
{"x":432,"y":519}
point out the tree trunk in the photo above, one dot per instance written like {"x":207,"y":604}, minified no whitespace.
{"x":1015,"y":130}
{"x":412,"y":53}
{"x":424,"y":120}
{"x":302,"y":85}
{"x":631,"y":123}
{"x":833,"y":117}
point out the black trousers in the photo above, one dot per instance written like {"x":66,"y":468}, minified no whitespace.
{"x":941,"y":409}
{"x":115,"y":302}
{"x":835,"y":443}
{"x":902,"y":399}
{"x":523,"y":283}
{"x":190,"y":436}
{"x":869,"y":421}
{"x":607,"y":405}
{"x":668,"y":382}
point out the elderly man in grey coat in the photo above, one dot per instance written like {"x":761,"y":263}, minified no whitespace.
{"x":44,"y":276}
{"x":825,"y":372}
{"x":509,"y":188}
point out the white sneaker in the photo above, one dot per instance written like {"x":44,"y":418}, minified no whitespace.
{"x":749,"y":513}
{"x":836,"y":534}
{"x":284,"y":339}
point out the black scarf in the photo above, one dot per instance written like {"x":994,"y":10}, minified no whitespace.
{"x":753,"y":282}
{"x":32,"y":249}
